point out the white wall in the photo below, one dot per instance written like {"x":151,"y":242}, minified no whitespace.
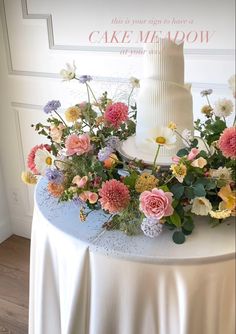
{"x":38,"y":37}
{"x":5,"y":227}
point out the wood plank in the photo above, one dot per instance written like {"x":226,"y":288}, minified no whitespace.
{"x":13,"y":318}
{"x":15,"y":252}
{"x":14,"y":285}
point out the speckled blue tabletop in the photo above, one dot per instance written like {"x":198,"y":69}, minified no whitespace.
{"x":205,"y":244}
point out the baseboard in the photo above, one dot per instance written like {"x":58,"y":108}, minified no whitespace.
{"x":21,"y":227}
{"x":5,"y":231}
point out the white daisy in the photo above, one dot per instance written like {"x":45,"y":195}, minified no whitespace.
{"x":163,"y":136}
{"x":43,"y":160}
{"x":201,"y":206}
{"x":68,"y":73}
{"x":223,"y":107}
{"x":134,"y":82}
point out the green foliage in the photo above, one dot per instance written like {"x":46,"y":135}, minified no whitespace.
{"x":178,"y":237}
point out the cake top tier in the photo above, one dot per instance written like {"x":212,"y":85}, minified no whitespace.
{"x":164,"y":60}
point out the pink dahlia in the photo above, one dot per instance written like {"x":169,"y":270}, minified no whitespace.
{"x":156,"y":203}
{"x":114,"y":196}
{"x":31,"y":157}
{"x":78,"y":144}
{"x":116,"y":114}
{"x":227,"y":143}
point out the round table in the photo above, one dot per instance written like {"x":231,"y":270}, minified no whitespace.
{"x":86,"y":280}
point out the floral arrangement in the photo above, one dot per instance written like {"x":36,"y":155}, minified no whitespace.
{"x":82,"y":164}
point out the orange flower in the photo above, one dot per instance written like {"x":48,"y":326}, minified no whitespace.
{"x":56,"y":190}
{"x":111,"y":161}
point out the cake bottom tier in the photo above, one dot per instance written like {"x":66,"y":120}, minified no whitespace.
{"x":160,"y":103}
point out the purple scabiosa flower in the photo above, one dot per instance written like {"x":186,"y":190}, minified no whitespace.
{"x":206,"y":92}
{"x":54,"y":175}
{"x":104,"y":153}
{"x":84,"y":78}
{"x":151,"y":227}
{"x":51,"y":106}
{"x":113,"y":142}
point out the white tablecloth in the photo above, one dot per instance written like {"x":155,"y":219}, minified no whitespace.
{"x":87,"y":281}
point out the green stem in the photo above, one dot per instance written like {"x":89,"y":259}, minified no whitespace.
{"x":206,"y":146}
{"x":179,"y":134}
{"x":60,"y":117}
{"x":94,"y":97}
{"x":234,"y":123}
{"x":130,"y":96}
{"x":208,"y":101}
{"x":155,"y":159}
{"x":171,"y":178}
{"x":88,"y":92}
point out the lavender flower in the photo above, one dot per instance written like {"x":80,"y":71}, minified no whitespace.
{"x":104,"y":153}
{"x":54,"y":175}
{"x":113,"y":142}
{"x":206,"y":92}
{"x":77,"y":201}
{"x":51,"y":106}
{"x":151,"y":227}
{"x":84,"y":78}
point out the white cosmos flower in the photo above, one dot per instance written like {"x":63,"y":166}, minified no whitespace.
{"x":163,"y":137}
{"x":222,"y":173}
{"x":232,"y":82}
{"x":201,"y":206}
{"x":223,"y":107}
{"x":69,"y":72}
{"x":43,"y":160}
{"x":134,"y":82}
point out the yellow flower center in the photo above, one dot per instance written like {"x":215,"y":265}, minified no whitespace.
{"x":160,"y":140}
{"x":48,"y":161}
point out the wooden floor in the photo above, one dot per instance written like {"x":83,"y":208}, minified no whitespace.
{"x":14,"y":285}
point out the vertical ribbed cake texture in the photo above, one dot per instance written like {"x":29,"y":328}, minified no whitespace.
{"x":163,"y":97}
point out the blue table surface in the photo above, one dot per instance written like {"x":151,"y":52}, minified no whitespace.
{"x":205,"y":244}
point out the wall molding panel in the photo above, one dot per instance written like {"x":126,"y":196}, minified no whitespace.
{"x":200,"y":54}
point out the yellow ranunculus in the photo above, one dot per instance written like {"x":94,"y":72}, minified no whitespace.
{"x":229,"y":198}
{"x":179,"y":171}
{"x":28,"y":178}
{"x":72,"y":114}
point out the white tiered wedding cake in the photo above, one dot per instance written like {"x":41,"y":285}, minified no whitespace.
{"x":163,"y":98}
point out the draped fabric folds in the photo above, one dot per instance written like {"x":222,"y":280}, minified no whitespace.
{"x":77,"y":289}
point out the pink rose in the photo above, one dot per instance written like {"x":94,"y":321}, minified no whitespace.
{"x":200,"y":162}
{"x":193,"y":153}
{"x":77,"y":144}
{"x":80,"y":181}
{"x":156,"y":203}
{"x":89,"y":196}
{"x":92,"y":197}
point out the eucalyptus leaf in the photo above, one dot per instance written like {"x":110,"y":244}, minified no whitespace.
{"x":182,"y":152}
{"x":178,"y":237}
{"x":175,"y":219}
{"x":199,"y":190}
{"x":177,"y":190}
